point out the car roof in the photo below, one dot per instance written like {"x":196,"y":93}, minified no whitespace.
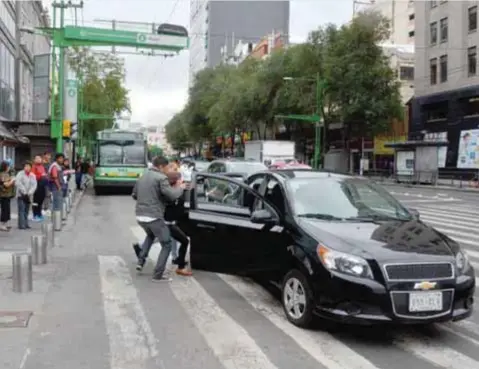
{"x":290,"y":173}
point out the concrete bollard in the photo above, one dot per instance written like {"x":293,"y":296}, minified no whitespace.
{"x":39,"y":250}
{"x":64,"y":210}
{"x":22,"y":278}
{"x":57,"y":220}
{"x":49,"y":232}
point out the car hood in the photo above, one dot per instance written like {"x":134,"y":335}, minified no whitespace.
{"x":387,"y":241}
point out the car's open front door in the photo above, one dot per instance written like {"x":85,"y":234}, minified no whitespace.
{"x":224,"y":234}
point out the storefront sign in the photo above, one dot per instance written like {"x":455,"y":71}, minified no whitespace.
{"x":380,"y":141}
{"x":468,"y":152}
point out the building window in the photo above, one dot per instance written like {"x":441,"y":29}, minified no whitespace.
{"x":433,"y":71}
{"x":406,"y":73}
{"x":411,"y":34}
{"x":433,"y":3}
{"x":443,"y":67}
{"x":436,"y":112}
{"x":471,"y":61}
{"x":433,"y":33}
{"x":470,"y":106}
{"x":444,"y":29}
{"x":472,"y":18}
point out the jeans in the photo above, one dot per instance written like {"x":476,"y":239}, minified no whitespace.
{"x":57,"y":199}
{"x":180,"y":236}
{"x":5,"y":212}
{"x":23,"y":210}
{"x":38,"y":199}
{"x":78,"y":180}
{"x":156,"y":229}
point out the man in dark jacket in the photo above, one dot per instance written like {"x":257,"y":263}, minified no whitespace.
{"x":152,"y":192}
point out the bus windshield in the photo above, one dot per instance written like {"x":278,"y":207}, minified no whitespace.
{"x":122,"y":153}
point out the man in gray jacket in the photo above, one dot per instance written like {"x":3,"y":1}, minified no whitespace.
{"x":152,"y":192}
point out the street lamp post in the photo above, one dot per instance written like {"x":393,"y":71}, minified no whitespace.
{"x":316,"y":118}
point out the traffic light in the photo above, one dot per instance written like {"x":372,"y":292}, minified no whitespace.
{"x":67,"y":128}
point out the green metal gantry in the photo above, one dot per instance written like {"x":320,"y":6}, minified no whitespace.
{"x":68,"y":36}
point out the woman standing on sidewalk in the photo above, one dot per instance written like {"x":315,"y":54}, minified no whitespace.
{"x":26,"y":186}
{"x":7,"y":192}
{"x":41,"y":176}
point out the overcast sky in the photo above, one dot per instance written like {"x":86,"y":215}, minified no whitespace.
{"x":158,"y":86}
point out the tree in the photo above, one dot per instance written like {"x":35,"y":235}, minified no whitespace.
{"x":154,"y":150}
{"x":103,"y":91}
{"x":175,"y":131}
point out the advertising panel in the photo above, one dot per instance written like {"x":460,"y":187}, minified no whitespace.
{"x":468,"y":151}
{"x":442,"y":151}
{"x":380,"y":141}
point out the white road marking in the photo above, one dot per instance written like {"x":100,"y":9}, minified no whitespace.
{"x":448,"y":215}
{"x":230,"y":342}
{"x":435,"y":352}
{"x":322,"y":346}
{"x":425,"y":201}
{"x":132,"y":342}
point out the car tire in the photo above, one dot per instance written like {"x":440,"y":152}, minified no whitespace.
{"x":303,"y":316}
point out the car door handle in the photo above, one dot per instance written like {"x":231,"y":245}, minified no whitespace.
{"x":206,"y":226}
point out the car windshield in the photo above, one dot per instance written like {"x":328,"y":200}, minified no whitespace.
{"x":247,"y":167}
{"x":122,"y":153}
{"x":343,"y":199}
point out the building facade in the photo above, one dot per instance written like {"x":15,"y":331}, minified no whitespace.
{"x":217,"y":26}
{"x":18,"y":47}
{"x":446,"y":102}
{"x":401,"y":14}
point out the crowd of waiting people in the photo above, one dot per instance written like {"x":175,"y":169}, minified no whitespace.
{"x":40,"y":186}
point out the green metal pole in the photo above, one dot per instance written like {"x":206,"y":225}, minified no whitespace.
{"x":53,"y":117}
{"x":61,"y":81}
{"x":317,"y":135}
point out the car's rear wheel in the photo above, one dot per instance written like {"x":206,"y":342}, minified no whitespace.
{"x":297,"y":299}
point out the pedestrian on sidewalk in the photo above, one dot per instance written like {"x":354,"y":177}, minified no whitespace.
{"x":78,"y":173}
{"x":7,"y":192}
{"x":47,"y":202}
{"x":56,"y":182}
{"x":26,"y":185}
{"x":40,"y":193}
{"x":151,"y":192}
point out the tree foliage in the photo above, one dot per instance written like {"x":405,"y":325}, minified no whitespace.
{"x":359,"y":88}
{"x":102,"y":88}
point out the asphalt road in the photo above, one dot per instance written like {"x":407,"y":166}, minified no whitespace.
{"x":100,"y":314}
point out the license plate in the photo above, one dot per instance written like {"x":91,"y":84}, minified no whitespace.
{"x":425,"y":301}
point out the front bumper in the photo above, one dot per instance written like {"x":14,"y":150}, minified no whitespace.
{"x":118,"y":183}
{"x":353,"y":300}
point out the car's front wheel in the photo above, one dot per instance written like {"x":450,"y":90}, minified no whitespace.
{"x":297,"y":299}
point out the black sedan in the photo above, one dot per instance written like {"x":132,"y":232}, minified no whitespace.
{"x":341,"y":247}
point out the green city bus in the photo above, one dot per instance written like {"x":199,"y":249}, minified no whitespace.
{"x":121,"y":158}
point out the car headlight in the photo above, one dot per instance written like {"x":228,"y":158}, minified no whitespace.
{"x":344,"y":263}
{"x":462,"y":262}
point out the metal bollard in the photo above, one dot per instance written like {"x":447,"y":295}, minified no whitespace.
{"x":39,"y":250}
{"x":49,"y":232}
{"x":57,"y":220}
{"x":67,"y":204}
{"x":64,"y":210}
{"x":22,"y":279}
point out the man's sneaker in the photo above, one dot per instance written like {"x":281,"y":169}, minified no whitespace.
{"x":184,"y":272}
{"x":139,"y":266}
{"x":164,"y":278}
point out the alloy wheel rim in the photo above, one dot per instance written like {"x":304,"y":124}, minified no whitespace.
{"x":294,"y":298}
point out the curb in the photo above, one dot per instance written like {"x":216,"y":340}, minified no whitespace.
{"x":432,"y":187}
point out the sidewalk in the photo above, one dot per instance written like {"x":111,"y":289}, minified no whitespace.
{"x":20,"y":312}
{"x":443,"y":184}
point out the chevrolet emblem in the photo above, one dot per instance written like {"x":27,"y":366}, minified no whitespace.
{"x":425,"y":286}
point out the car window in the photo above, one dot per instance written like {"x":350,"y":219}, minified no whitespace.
{"x":213,"y":168}
{"x":274,"y":195}
{"x":225,"y":192}
{"x":344,"y":198}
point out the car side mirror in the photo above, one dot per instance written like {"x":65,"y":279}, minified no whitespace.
{"x":415,"y":213}
{"x":263,"y":217}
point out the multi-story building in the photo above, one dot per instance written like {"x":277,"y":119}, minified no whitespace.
{"x":446,"y":102}
{"x":401,"y":14}
{"x":216,"y":27}
{"x":259,"y":50}
{"x":18,"y":47}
